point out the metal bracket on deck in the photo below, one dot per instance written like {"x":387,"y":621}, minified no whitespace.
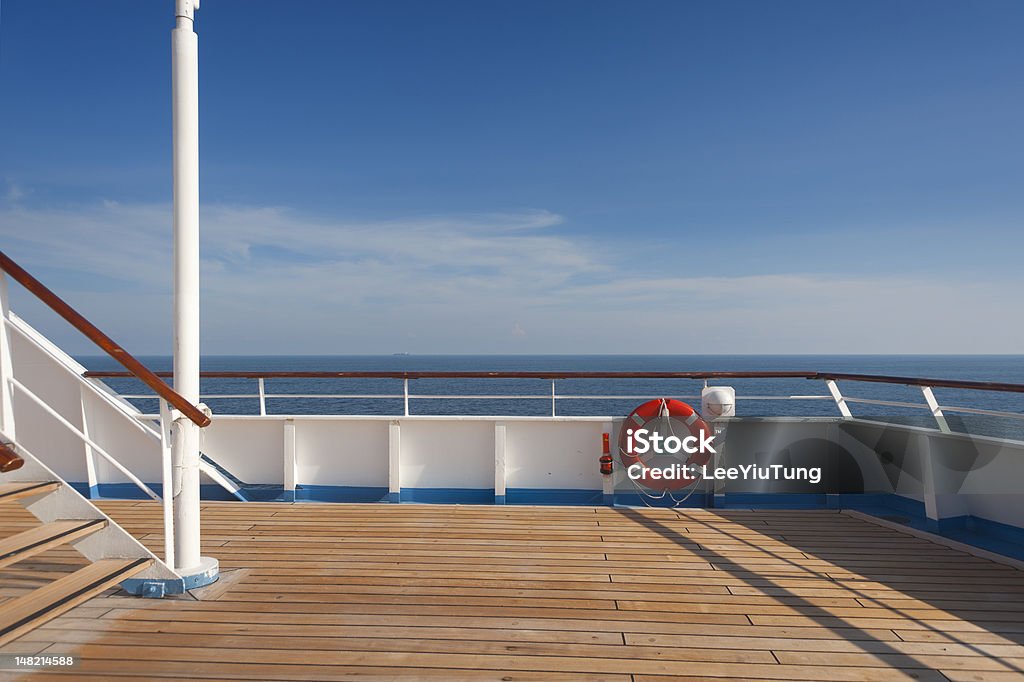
{"x":152,"y":589}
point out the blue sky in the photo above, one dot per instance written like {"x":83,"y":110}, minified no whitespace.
{"x":495,"y":177}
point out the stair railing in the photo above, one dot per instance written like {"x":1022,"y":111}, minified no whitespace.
{"x":172,"y":403}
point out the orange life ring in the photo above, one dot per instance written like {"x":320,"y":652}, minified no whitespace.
{"x":653,"y":409}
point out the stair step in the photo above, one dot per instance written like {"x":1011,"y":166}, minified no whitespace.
{"x":37,"y":540}
{"x":15,"y":491}
{"x":18,"y":616}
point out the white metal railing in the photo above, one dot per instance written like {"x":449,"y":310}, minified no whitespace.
{"x":8,"y":379}
{"x":81,"y":436}
{"x":10,"y":385}
{"x":167,"y":476}
{"x":835,"y":395}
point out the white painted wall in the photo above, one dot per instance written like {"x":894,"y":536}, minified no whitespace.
{"x":435,"y":452}
{"x":354,"y":453}
{"x":547,"y":454}
{"x":252,"y":450}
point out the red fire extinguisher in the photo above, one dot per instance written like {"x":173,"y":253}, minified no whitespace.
{"x":606,"y":457}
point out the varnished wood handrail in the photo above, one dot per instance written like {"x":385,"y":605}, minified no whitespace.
{"x":471,"y":375}
{"x":91,"y":332}
{"x":925,"y":381}
{"x":873,"y":378}
{"x":9,"y":459}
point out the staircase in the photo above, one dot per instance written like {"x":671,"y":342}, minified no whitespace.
{"x":36,"y":380}
{"x":66,"y":518}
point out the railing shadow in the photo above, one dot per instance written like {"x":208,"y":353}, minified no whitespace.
{"x":850,"y":565}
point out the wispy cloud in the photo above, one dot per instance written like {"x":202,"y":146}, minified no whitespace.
{"x":14,"y":192}
{"x":278,"y":281}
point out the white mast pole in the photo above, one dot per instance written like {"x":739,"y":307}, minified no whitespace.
{"x":185,"y":453}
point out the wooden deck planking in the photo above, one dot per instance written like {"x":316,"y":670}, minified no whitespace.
{"x":472,"y":592}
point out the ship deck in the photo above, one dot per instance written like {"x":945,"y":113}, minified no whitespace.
{"x":331,"y":592}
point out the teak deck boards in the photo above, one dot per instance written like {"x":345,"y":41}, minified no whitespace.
{"x":329,"y":592}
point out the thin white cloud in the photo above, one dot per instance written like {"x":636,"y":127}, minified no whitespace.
{"x":278,"y":281}
{"x":14,"y":192}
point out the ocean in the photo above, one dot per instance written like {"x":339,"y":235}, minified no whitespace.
{"x":1001,"y":368}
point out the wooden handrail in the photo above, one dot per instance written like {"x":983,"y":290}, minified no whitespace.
{"x":924,"y":381}
{"x":471,"y":375}
{"x":91,"y":332}
{"x":9,"y":459}
{"x":874,"y":378}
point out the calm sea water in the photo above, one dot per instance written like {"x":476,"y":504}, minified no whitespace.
{"x":1003,"y":368}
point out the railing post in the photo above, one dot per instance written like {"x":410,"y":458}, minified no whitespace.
{"x":6,"y":363}
{"x":405,"y":393}
{"x":933,"y":405}
{"x":167,"y":482}
{"x":395,"y":461}
{"x":553,"y":398}
{"x":290,"y":461}
{"x":499,"y":463}
{"x":844,"y":409}
{"x":263,"y":397}
{"x":90,"y":456}
{"x":929,"y":493}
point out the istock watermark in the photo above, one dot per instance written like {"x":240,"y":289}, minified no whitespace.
{"x":743,"y":472}
{"x":643,"y":441}
{"x":667,"y":449}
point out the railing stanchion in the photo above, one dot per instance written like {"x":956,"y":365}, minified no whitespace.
{"x":395,"y":461}
{"x":844,"y":409}
{"x":552,"y":397}
{"x":405,"y":394}
{"x":933,"y":405}
{"x":167,"y":474}
{"x":263,"y":397}
{"x":499,"y":463}
{"x":6,"y":364}
{"x":290,"y":461}
{"x":90,"y":457}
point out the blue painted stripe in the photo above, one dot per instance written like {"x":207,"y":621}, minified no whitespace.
{"x":994,"y":536}
{"x":449,"y":495}
{"x":155,"y":588}
{"x":130,"y":491}
{"x":695,"y":501}
{"x":564,"y":496}
{"x":340,"y":493}
{"x":774,"y":500}
{"x":83,"y":489}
